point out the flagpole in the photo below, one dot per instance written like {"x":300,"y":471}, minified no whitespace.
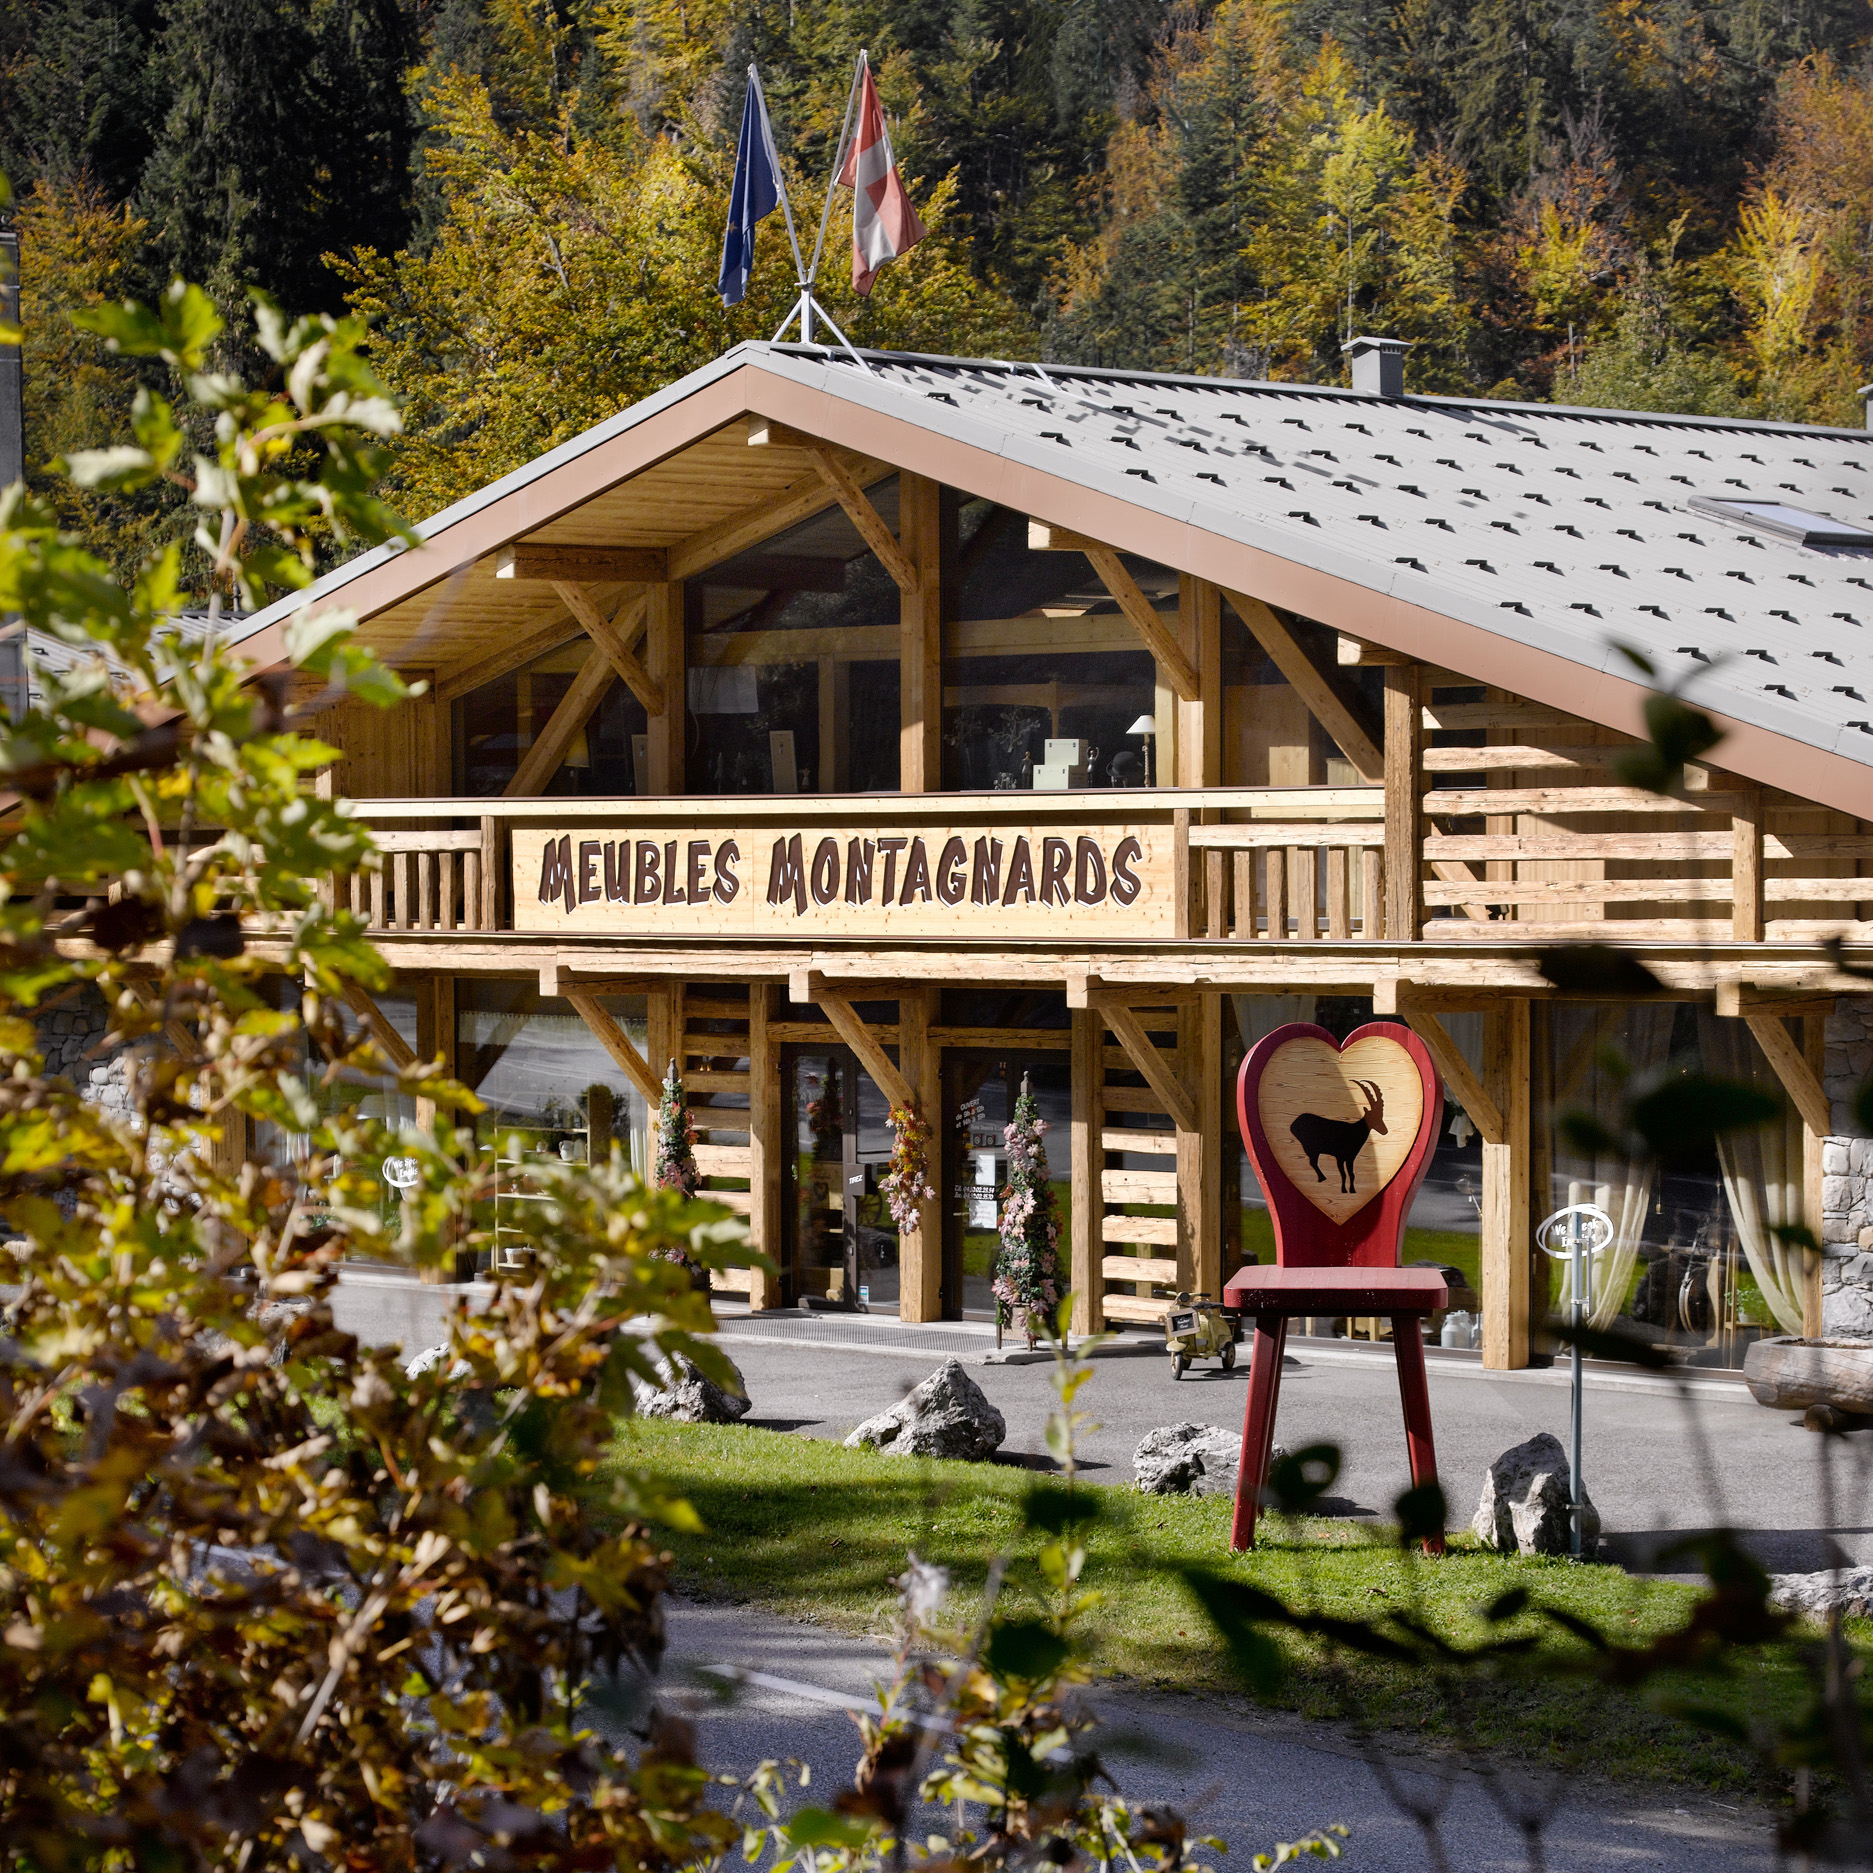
{"x":838,"y":163}
{"x":786,"y":207}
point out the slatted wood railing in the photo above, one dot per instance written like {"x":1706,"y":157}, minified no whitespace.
{"x":428,"y":880}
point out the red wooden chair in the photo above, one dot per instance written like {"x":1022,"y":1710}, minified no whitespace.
{"x":1336,"y":1237}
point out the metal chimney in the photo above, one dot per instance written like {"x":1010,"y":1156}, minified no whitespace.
{"x":12,"y":375}
{"x":1378,"y":365}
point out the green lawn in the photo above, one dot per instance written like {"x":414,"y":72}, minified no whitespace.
{"x":804,"y":1526}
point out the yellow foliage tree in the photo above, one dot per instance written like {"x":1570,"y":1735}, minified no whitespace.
{"x":574,"y":272}
{"x":75,"y":250}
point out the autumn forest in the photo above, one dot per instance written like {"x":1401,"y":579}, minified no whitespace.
{"x":1633,"y":203}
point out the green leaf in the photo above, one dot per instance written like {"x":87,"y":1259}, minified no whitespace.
{"x":121,"y":470}
{"x":816,"y":1827}
{"x":179,"y":330}
{"x":1025,"y":1649}
{"x":1796,"y":1236}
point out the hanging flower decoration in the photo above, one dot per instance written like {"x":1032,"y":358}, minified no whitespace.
{"x":675,"y":1163}
{"x":1027,"y":1272}
{"x":906,"y":1181}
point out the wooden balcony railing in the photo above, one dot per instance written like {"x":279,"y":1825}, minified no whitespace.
{"x":1494,"y":860}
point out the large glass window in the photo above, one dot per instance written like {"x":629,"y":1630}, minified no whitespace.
{"x":1694,"y":1263}
{"x":498,"y":723}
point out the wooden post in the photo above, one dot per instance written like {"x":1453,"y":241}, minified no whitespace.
{"x":1199,"y":732}
{"x":920,"y":642}
{"x":1200,"y":1153}
{"x":1813,"y":1144}
{"x":1404,"y":788}
{"x":1746,"y":893}
{"x":1506,"y":1239}
{"x":920,"y":1254}
{"x":1085,"y":1160}
{"x":767,"y":1148}
{"x":835,"y":720}
{"x":664,"y":655}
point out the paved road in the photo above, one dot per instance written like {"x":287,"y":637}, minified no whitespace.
{"x":1232,"y":1772}
{"x":1654,"y":1463}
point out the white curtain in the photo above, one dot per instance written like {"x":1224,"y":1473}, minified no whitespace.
{"x":1762,"y":1170}
{"x":1582,"y":1037}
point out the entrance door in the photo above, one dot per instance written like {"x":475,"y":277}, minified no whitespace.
{"x":979,"y":1093}
{"x":842,"y":1248}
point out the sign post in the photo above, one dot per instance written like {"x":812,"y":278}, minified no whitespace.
{"x":1578,"y":1234}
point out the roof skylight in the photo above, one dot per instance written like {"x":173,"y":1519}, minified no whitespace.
{"x":1783,"y":521}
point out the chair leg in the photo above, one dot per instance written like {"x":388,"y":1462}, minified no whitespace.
{"x":1415,"y":1392}
{"x":1258,"y":1425}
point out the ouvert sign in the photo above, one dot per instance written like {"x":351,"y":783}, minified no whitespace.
{"x":915,"y":881}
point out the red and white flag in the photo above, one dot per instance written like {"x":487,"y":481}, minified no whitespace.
{"x":884,"y":224}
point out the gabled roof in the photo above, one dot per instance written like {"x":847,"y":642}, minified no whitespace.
{"x":1517,"y":543}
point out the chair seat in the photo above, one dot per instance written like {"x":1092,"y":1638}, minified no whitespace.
{"x":1256,"y":1290}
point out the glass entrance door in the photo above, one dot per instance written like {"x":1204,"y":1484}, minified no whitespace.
{"x":842,"y":1248}
{"x":979,"y":1093}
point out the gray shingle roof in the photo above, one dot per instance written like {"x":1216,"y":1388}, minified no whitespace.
{"x":1565,"y":529}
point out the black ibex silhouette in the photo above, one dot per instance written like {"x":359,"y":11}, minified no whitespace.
{"x":1340,"y":1139}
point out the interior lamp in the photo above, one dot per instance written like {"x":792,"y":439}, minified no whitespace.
{"x":1146,"y":726}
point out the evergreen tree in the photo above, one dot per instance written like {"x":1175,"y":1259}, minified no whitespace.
{"x":78,"y":98}
{"x":287,"y":137}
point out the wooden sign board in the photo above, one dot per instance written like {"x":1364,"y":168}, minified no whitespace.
{"x":996,"y":881}
{"x":1340,"y":1136}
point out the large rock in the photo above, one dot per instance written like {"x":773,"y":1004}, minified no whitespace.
{"x":1851,"y":1589}
{"x":689,"y":1395}
{"x":946,"y":1416}
{"x":1525,"y":1507}
{"x":1190,"y":1460}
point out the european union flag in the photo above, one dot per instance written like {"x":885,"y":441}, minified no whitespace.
{"x":756,"y":194}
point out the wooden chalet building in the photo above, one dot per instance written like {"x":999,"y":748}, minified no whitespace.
{"x":881,"y":732}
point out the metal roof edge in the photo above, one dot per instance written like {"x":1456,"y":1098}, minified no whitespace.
{"x":1110,"y":374}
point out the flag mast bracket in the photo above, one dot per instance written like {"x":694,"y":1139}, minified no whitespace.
{"x":807,"y":304}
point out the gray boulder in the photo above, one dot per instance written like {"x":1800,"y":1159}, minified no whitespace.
{"x":1525,"y":1504}
{"x":1851,"y":1589}
{"x":946,"y":1416}
{"x":1190,"y":1460}
{"x":690,"y":1396}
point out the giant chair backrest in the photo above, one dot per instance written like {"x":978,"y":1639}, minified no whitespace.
{"x":1340,"y":1135}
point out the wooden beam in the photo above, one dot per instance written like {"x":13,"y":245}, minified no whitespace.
{"x":1746,"y":892}
{"x":614,"y":637}
{"x":1404,"y":815}
{"x":920,"y":636}
{"x":583,"y":565}
{"x":541,"y":762}
{"x":1145,"y":620}
{"x":866,"y":518}
{"x":1505,"y":1246}
{"x":488,"y":665}
{"x":1803,"y":1086}
{"x":666,"y":730}
{"x":1463,"y":1084}
{"x":749,"y":526}
{"x":390,"y":1043}
{"x":920,"y":1253}
{"x":1085,"y":1158}
{"x":1813,"y":1180}
{"x":1322,"y":699}
{"x":852,"y":1030}
{"x":615,"y":1042}
{"x":764,"y":432}
{"x":176,"y":1032}
{"x":1352,"y":653}
{"x":1144,"y":1055}
{"x":1198,"y":747}
{"x":767,"y":1148}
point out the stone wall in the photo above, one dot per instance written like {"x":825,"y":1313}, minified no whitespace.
{"x":1847,"y":1175}
{"x":67,"y":1035}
